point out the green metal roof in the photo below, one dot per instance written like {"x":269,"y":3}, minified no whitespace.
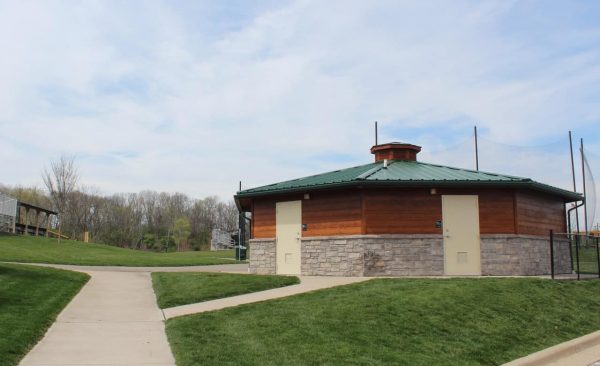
{"x":403,"y":173}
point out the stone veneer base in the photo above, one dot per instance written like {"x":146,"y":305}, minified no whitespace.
{"x":411,"y":255}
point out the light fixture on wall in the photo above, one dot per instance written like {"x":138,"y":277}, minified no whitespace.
{"x":432,"y":191}
{"x":306,"y":196}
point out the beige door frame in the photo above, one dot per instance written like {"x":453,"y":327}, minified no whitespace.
{"x":288,"y":232}
{"x":462,"y":243}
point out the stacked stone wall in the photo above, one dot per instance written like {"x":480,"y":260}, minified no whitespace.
{"x":522,"y":255}
{"x":262,"y":256}
{"x":332,"y":256}
{"x":404,"y":255}
{"x":412,"y":255}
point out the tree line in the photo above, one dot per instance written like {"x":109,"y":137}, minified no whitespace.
{"x":147,"y":220}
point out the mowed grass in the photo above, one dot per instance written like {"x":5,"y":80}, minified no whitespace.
{"x":30,"y":249}
{"x":174,"y":289}
{"x":30,"y":300}
{"x":393,"y":321}
{"x":588,"y":260}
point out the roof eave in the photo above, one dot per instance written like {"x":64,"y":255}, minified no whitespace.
{"x":567,"y":195}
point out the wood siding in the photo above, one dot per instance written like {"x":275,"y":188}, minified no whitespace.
{"x":263,"y":218}
{"x":539,"y":213}
{"x":332,"y":213}
{"x":414,"y":211}
{"x":325,"y":213}
{"x":410,"y":211}
{"x":401,"y":211}
{"x":496,"y":209}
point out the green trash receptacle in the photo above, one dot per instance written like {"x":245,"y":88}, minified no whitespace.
{"x":240,"y":252}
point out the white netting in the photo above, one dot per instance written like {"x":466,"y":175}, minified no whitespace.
{"x":549,"y":163}
{"x":591,"y":200}
{"x":459,"y":155}
{"x":8,"y":206}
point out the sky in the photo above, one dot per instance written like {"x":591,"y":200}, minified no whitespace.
{"x":194,"y":96}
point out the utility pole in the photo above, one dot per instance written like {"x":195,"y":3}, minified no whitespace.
{"x":585,"y":216}
{"x":574,"y":183}
{"x":476,"y":150}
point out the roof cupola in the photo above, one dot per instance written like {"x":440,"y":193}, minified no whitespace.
{"x":395,"y":151}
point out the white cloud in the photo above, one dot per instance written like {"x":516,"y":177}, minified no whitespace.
{"x":150,"y":97}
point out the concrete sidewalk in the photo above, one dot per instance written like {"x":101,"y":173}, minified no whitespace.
{"x":306,"y":284}
{"x":226,"y":268}
{"x":582,"y":351}
{"x":114,"y":320}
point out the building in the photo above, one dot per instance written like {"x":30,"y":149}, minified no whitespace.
{"x":401,"y":217}
{"x":19,"y":217}
{"x":221,"y":240}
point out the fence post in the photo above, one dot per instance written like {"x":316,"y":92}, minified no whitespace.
{"x":598,"y":256}
{"x":577,"y":254}
{"x":551,"y":254}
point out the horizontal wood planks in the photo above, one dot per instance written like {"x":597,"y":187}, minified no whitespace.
{"x":332,"y":213}
{"x":539,"y":213}
{"x":401,"y":211}
{"x":325,"y":213}
{"x":414,"y":211}
{"x":410,"y":211}
{"x":263,"y":218}
{"x":496,"y":209}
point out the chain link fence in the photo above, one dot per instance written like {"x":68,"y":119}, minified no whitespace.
{"x":575,"y":255}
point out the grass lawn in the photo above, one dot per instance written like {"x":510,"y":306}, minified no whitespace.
{"x":393,"y":321}
{"x":173,"y":289}
{"x":588,"y":260}
{"x":17,"y":248}
{"x":30,"y":300}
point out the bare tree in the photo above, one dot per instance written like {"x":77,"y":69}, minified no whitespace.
{"x":60,"y":181}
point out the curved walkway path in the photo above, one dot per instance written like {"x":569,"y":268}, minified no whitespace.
{"x":114,"y":320}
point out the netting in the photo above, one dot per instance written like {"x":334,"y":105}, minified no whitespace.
{"x":591,"y":200}
{"x":8,"y":206}
{"x":548,"y":163}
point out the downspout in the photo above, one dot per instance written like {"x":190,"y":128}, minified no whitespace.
{"x":576,"y":239}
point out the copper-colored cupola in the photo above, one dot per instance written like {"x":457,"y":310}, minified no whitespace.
{"x":395,"y":151}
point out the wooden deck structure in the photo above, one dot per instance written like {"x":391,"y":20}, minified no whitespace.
{"x":40,"y":224}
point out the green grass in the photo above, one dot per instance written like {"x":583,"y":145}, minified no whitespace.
{"x":174,"y":289}
{"x":30,"y":300}
{"x":393,"y":321}
{"x":29,"y":249}
{"x":588,"y":260}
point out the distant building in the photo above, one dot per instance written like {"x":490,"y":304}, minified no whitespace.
{"x":220,"y":240}
{"x":16,"y":217}
{"x":8,"y":213}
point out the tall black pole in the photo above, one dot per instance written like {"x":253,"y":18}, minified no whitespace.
{"x":585,"y":217}
{"x":552,"y":254}
{"x":574,"y":184}
{"x":375,"y":133}
{"x":241,"y":229}
{"x":476,"y":151}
